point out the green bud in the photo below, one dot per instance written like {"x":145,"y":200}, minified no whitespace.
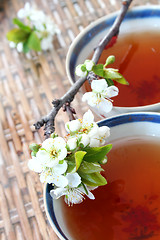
{"x":83,"y":68}
{"x":61,"y":161}
{"x":54,"y":135}
{"x":34,"y":147}
{"x":110,"y":59}
{"x":104,"y":161}
{"x":33,"y":154}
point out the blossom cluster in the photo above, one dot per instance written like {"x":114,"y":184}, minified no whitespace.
{"x":102,"y":86}
{"x":73,"y":164}
{"x":36,"y":32}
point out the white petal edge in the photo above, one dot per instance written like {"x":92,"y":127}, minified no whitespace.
{"x":73,"y":179}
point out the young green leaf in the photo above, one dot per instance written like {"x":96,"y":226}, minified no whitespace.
{"x":87,"y":167}
{"x":112,"y":73}
{"x":93,"y":179}
{"x":25,"y":47}
{"x":110,"y":82}
{"x":71,"y":167}
{"x":122,"y":80}
{"x":98,"y":70}
{"x":17,"y":35}
{"x":22,"y":25}
{"x":79,"y":158}
{"x":34,"y":42}
{"x":96,"y":154}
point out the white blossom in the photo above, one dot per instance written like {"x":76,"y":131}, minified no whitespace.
{"x":55,"y":175}
{"x":20,"y":47}
{"x":100,"y":96}
{"x":73,"y":195}
{"x":85,"y":131}
{"x":46,"y":43}
{"x":42,"y":24}
{"x":51,"y":27}
{"x":79,"y":72}
{"x":37,"y":16}
{"x":84,"y":139}
{"x":12,"y":44}
{"x":72,"y":143}
{"x":89,"y":64}
{"x":52,"y":151}
{"x":47,"y":174}
{"x":35,"y":165}
{"x":73,"y":126}
{"x":73,"y":179}
{"x":25,"y":12}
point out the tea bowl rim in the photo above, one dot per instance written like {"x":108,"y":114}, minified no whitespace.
{"x":111,"y":16}
{"x":152,"y":117}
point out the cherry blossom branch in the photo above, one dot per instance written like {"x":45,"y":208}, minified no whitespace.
{"x":48,"y":120}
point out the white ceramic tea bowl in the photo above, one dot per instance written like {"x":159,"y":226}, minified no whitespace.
{"x":122,"y":126}
{"x":138,"y":19}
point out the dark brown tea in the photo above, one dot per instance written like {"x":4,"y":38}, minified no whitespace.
{"x":138,"y":60}
{"x":128,"y":207}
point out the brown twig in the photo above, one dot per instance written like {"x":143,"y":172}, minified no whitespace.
{"x":70,"y":111}
{"x":48,"y":120}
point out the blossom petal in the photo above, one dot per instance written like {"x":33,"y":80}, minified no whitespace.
{"x":88,"y":118}
{"x":104,"y":107}
{"x":91,"y":98}
{"x":73,"y":179}
{"x":112,"y":91}
{"x":59,"y":180}
{"x":84,"y":139}
{"x":62,"y":154}
{"x":42,"y":177}
{"x":94,"y":142}
{"x":99,"y":85}
{"x":73,"y":126}
{"x":43,"y":156}
{"x":89,"y":195}
{"x":35,"y":165}
{"x":20,"y":47}
{"x":59,"y":143}
{"x":46,"y":43}
{"x":46,"y":159}
{"x":74,"y":197}
{"x":48,"y":179}
{"x":57,"y":193}
{"x":48,"y":144}
{"x":72,"y":143}
{"x":21,"y":13}
{"x":104,"y":131}
{"x":12,"y":44}
{"x":89,"y":64}
{"x":61,"y":168}
{"x":94,"y":130}
{"x":79,"y":71}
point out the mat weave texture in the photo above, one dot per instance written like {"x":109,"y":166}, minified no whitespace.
{"x":27,"y":88}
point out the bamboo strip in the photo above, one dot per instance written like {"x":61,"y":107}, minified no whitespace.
{"x":21,"y":211}
{"x":35,"y":204}
{"x":4,"y":210}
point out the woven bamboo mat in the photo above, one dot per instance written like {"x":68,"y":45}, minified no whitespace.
{"x":27,"y":88}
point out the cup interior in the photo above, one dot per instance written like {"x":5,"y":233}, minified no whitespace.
{"x":137,"y":19}
{"x":122,"y":126}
